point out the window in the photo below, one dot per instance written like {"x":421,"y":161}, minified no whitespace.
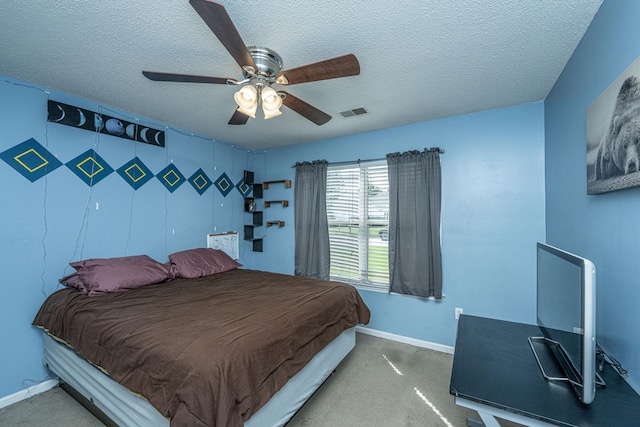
{"x":358,"y":215}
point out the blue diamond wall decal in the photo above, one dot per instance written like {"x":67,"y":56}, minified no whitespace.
{"x":135,"y":173}
{"x":90,"y":167}
{"x":31,"y":159}
{"x":224,"y":184}
{"x":244,"y":188}
{"x":171,"y":178}
{"x":200,"y":181}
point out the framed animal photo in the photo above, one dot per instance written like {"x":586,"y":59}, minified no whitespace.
{"x":613,"y":135}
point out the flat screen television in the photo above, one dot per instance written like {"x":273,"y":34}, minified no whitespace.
{"x":566,"y":315}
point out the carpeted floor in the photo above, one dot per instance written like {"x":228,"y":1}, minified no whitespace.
{"x":53,"y":408}
{"x":390,"y":384}
{"x":380,"y":383}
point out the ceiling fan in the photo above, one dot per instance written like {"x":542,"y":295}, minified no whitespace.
{"x":261,"y":68}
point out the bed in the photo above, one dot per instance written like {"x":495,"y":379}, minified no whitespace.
{"x":238,"y":347}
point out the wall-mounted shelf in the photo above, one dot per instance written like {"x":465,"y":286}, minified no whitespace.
{"x":251,"y":206}
{"x":257,"y":219}
{"x":256,"y":244}
{"x":286,"y":182}
{"x":257,"y":190}
{"x":249,"y":232}
{"x":278,"y":223}
{"x":267,"y":203}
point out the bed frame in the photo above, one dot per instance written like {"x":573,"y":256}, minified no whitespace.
{"x":124,"y":408}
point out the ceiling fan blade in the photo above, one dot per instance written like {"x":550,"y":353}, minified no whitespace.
{"x":238,"y":118}
{"x":305,"y":110}
{"x":184,"y":78}
{"x":341,"y":66}
{"x":216,"y":17}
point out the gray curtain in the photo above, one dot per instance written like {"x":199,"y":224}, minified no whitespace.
{"x":311,"y":225}
{"x":415,"y":258}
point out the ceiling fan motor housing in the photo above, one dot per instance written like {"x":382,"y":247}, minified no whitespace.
{"x":267,"y":61}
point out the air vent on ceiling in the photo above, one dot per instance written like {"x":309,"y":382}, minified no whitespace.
{"x":355,"y":112}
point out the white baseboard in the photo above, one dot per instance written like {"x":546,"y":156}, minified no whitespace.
{"x":27,"y":392}
{"x":406,"y":340}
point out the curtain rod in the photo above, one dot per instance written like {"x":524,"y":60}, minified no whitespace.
{"x":351,"y":162}
{"x":356,"y":161}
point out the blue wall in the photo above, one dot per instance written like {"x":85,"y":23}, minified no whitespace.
{"x":604,"y":227}
{"x":501,"y":188}
{"x":54,"y":220}
{"x":492,"y":215}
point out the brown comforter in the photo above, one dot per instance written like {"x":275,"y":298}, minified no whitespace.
{"x":208,"y":351}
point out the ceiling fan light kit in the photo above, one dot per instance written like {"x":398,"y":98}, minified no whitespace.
{"x":261,"y":68}
{"x":257,"y":84}
{"x":271,"y":103}
{"x":247,"y":100}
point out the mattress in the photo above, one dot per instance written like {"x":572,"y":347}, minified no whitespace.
{"x":128,"y":409}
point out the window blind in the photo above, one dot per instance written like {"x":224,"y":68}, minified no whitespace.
{"x":358,"y":216}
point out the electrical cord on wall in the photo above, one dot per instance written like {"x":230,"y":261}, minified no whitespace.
{"x":133,"y":190}
{"x":166,"y":209}
{"x":213,"y":175}
{"x":44,"y":212}
{"x":44,"y":197}
{"x":133,"y":193}
{"x":84,"y":226}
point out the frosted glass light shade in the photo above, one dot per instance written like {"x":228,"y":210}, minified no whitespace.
{"x":271,"y":114}
{"x":271,"y":103}
{"x":247,"y":100}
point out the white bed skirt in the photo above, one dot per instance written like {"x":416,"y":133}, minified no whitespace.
{"x":128,"y":409}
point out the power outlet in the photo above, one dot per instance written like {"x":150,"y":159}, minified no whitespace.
{"x":458,"y":312}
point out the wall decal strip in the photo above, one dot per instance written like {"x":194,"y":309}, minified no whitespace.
{"x":33,"y":161}
{"x":89,"y":120}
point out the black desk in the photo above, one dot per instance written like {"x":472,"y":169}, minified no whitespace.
{"x":495,"y":373}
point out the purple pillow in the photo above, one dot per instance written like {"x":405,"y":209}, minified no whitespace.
{"x":74,"y":281}
{"x":98,"y":276}
{"x":194,"y":263}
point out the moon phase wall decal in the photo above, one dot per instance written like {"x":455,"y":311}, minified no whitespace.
{"x":69,"y":115}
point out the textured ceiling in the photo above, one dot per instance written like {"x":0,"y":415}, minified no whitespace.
{"x":420,"y":59}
